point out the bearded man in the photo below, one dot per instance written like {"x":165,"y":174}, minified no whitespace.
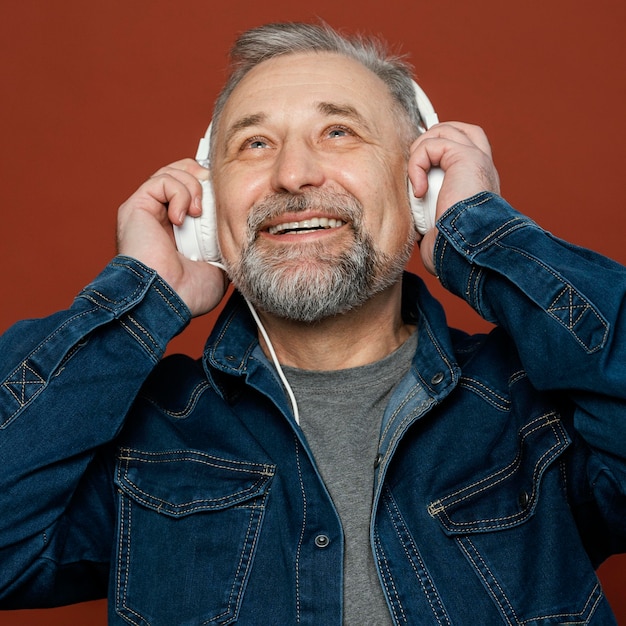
{"x":338,"y":455}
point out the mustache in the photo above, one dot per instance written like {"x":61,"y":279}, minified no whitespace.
{"x":340,"y":205}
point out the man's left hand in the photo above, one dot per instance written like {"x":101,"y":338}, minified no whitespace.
{"x":463,"y":152}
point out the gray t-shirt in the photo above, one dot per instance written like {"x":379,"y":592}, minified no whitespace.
{"x":341,"y":414}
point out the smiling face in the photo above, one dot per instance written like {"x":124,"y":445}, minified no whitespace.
{"x":309,"y":174}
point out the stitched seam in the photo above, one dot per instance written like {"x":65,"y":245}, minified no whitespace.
{"x":414,"y":391}
{"x":167,"y":300}
{"x":472,"y":291}
{"x":47,"y":340}
{"x":486,"y":581}
{"x":186,"y":508}
{"x":101,"y":296}
{"x":395,"y":514}
{"x":139,"y":339}
{"x":510,"y":519}
{"x":537,"y":424}
{"x":23,"y":383}
{"x":194,"y":397}
{"x":6,"y":384}
{"x":392,"y":593}
{"x":406,"y":551}
{"x":118,"y":573}
{"x":515,"y":223}
{"x":570,"y":307}
{"x":221,"y":335}
{"x":486,"y":393}
{"x":569,"y":289}
{"x":517,"y":376}
{"x":439,"y":507}
{"x":129,"y":267}
{"x":493,"y":578}
{"x":125,"y":454}
{"x":302,"y":530}
{"x":245,"y":561}
{"x":443,"y":246}
{"x":401,"y":427}
{"x":145,"y":331}
{"x":115,"y":305}
{"x":434,"y":342}
{"x":89,"y":290}
{"x":552,"y":310}
{"x":497,"y":583}
{"x":233,"y":596}
{"x":122,"y":597}
{"x":419,"y":409}
{"x":596,"y":591}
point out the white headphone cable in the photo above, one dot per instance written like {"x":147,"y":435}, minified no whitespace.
{"x":270,"y":347}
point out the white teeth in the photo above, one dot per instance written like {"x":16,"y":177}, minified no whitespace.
{"x":306,"y":225}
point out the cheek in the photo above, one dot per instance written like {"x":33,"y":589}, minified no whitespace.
{"x":231,"y":228}
{"x":387,"y":213}
{"x":233,"y":200}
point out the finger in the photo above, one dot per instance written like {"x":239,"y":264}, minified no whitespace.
{"x":165,"y":197}
{"x":179,"y":206}
{"x":186,"y":165}
{"x":442,"y":146}
{"x":458,"y":132}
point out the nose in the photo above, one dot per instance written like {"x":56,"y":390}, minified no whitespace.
{"x":297,"y":166}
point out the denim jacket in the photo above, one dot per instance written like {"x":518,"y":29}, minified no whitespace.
{"x":184,"y":490}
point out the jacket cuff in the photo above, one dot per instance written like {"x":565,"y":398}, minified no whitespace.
{"x":499,"y":260}
{"x":140,"y":300}
{"x":465,"y":230}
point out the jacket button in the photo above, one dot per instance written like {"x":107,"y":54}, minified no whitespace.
{"x":322,"y":541}
{"x":523,"y":499}
{"x":377,"y":462}
{"x":437,"y":378}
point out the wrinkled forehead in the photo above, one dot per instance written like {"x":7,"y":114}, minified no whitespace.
{"x":299,"y":80}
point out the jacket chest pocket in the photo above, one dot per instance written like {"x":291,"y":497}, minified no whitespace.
{"x":188,"y":528}
{"x":516,"y":531}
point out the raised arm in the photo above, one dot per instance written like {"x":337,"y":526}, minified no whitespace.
{"x":66,"y":385}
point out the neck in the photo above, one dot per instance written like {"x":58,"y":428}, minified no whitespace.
{"x":358,"y":337}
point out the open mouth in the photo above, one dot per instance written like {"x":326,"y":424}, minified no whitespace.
{"x":305,"y":226}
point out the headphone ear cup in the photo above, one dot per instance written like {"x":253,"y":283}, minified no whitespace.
{"x":196,"y":237}
{"x":425,"y":209}
{"x":207,"y":225}
{"x":417,"y":209}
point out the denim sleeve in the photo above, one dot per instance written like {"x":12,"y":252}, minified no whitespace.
{"x":563,"y":306}
{"x":66,"y":385}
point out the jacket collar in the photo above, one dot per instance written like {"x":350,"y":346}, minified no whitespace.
{"x":232,"y":350}
{"x":434,"y":364}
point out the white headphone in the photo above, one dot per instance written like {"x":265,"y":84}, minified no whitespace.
{"x":196,"y":238}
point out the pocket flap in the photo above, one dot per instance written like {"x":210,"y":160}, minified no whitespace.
{"x":181,"y":482}
{"x":508,"y":496}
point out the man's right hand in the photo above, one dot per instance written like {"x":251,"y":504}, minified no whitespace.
{"x":144,"y":232}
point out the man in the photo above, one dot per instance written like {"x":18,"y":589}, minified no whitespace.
{"x":420,"y":476}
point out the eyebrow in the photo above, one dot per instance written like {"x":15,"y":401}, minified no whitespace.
{"x":342,"y":110}
{"x":326,"y":108}
{"x":243,"y":123}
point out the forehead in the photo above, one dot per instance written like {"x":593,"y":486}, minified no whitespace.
{"x":283,"y":83}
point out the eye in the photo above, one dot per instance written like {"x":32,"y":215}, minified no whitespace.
{"x":339,"y":131}
{"x":254,"y":143}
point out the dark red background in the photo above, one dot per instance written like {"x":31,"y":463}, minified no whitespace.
{"x":98,"y":95}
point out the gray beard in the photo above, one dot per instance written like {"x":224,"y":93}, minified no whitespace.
{"x":306,"y":283}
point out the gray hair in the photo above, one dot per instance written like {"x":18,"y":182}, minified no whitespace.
{"x":272,"y":40}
